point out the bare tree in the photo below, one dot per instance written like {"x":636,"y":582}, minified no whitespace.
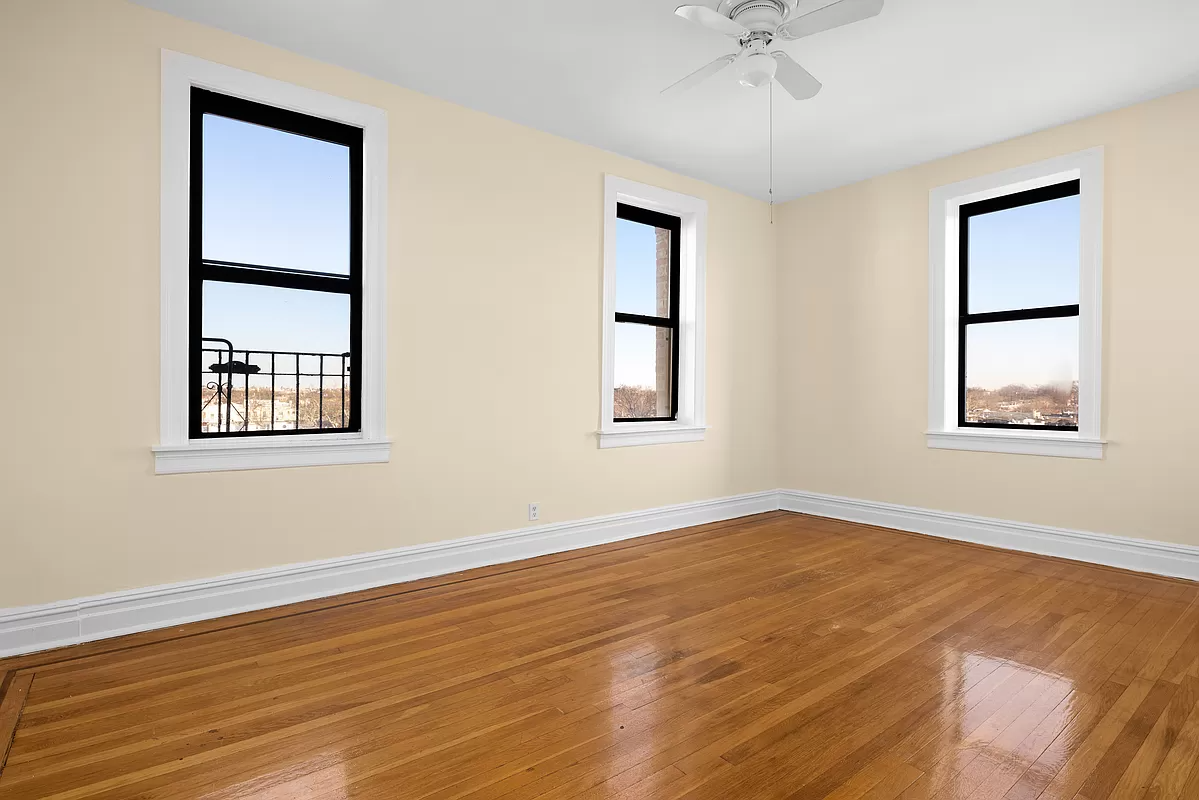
{"x":635,"y":402}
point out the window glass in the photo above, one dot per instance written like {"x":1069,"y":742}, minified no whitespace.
{"x":1023,"y":372}
{"x":643,"y":261}
{"x":275,"y":198}
{"x":1025,"y":257}
{"x":274,"y":359}
{"x":642,"y":371}
{"x":270,"y":318}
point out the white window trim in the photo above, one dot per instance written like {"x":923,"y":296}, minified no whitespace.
{"x":944,"y":202}
{"x":177,"y":452}
{"x":689,"y":426}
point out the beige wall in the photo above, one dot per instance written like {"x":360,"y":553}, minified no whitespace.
{"x":494,"y":312}
{"x":853,"y":347}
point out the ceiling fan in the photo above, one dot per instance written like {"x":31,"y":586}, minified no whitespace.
{"x":757,"y":23}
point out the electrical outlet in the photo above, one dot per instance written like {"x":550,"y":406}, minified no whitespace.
{"x":534,"y":512}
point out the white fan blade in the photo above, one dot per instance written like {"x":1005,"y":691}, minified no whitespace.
{"x":798,"y":82}
{"x":702,"y":15}
{"x":701,"y":74}
{"x":842,"y":12}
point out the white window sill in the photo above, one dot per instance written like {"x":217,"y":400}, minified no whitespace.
{"x":1061,"y":445}
{"x":635,"y":434}
{"x":216,"y":455}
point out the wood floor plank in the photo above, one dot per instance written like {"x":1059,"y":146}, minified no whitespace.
{"x":12,"y":703}
{"x":1176,"y":778}
{"x":778,"y":656}
{"x":1135,"y":781}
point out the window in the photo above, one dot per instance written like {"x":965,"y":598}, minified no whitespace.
{"x":653,"y":316}
{"x":273,"y":252}
{"x":1018,"y":313}
{"x":646,"y":370}
{"x":276,"y":270}
{"x":1014,"y":337}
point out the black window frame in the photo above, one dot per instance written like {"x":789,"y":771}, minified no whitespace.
{"x":673,"y":224}
{"x":204,"y":101}
{"x":966,"y":212}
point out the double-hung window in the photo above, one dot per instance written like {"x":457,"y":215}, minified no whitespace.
{"x":1018,"y":310}
{"x":276,"y":270}
{"x":653,"y":328}
{"x":273,"y":273}
{"x":646,"y":368}
{"x":1015,"y":337}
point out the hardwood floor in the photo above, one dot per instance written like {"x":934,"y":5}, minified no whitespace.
{"x":777,"y":656}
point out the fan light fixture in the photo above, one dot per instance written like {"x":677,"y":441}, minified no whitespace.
{"x":754,"y":25}
{"x":756,"y":70}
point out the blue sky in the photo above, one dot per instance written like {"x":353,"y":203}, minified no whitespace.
{"x":636,"y":293}
{"x":1025,"y":257}
{"x":282,"y":200}
{"x":268,"y":318}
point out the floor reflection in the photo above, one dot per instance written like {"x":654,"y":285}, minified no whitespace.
{"x":1002,"y":723}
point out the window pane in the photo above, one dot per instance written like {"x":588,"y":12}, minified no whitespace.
{"x":1023,"y":373}
{"x":642,"y":371}
{"x":642,"y":269}
{"x":275,"y":198}
{"x":1024,"y":257}
{"x":299,"y":339}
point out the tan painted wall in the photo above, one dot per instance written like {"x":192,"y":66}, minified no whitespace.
{"x":500,"y":227}
{"x":494,"y":314}
{"x":853,"y":323}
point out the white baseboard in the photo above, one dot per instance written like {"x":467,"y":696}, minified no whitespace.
{"x":33,"y":628}
{"x":1140,"y":555}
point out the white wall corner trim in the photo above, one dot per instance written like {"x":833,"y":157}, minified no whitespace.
{"x":689,"y":425}
{"x":1140,"y":555}
{"x":945,"y":202}
{"x":34,"y":628}
{"x":177,"y":452}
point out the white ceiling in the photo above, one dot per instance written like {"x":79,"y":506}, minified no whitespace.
{"x":925,"y":79}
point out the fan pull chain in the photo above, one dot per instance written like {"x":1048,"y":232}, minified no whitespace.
{"x":771,"y":125}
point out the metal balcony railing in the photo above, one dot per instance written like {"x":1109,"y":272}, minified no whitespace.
{"x":246,"y":391}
